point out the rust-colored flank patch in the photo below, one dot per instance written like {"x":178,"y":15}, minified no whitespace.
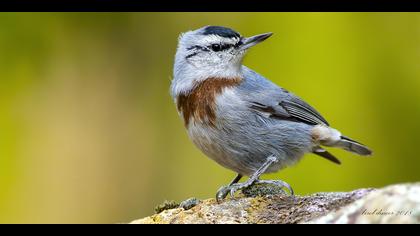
{"x":200,"y":102}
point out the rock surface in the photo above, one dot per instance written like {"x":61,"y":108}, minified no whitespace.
{"x":397,"y":204}
{"x":393,"y":204}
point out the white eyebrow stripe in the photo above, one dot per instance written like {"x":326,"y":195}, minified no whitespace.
{"x":211,"y":39}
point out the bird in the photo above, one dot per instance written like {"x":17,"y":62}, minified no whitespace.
{"x":240,"y":119}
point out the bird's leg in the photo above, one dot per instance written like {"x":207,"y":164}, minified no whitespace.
{"x":234,"y":187}
{"x":223,"y":191}
{"x":235,"y":180}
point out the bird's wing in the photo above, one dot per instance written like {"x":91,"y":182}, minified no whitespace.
{"x":266,"y":97}
{"x":303,"y":111}
{"x":296,"y":110}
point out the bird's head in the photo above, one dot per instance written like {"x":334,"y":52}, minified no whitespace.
{"x":211,"y":52}
{"x":215,"y":49}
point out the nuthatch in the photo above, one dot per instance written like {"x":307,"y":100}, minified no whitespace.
{"x":240,"y":119}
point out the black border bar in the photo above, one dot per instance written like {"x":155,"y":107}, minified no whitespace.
{"x":211,"y":6}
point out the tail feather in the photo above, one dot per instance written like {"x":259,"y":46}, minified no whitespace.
{"x":325,"y":154}
{"x":327,"y":136}
{"x":353,"y":146}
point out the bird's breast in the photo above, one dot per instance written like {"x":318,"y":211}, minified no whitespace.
{"x":199,"y":103}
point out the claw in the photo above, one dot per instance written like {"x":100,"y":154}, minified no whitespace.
{"x":292,"y":193}
{"x":232,"y":192}
{"x":228,"y":190}
{"x":222,"y":193}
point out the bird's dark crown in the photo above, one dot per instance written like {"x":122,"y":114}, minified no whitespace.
{"x":221,"y":31}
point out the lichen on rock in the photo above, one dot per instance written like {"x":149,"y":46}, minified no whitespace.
{"x":260,"y":190}
{"x":166,"y":205}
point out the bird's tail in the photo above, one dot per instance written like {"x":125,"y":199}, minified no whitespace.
{"x":328,"y":136}
{"x":351,"y":145}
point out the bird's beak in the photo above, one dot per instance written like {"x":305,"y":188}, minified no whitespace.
{"x":254,"y":40}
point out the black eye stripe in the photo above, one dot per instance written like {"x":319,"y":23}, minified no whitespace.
{"x":226,"y":46}
{"x":239,"y":43}
{"x":214,"y":47}
{"x":191,"y":55}
{"x":197,"y":47}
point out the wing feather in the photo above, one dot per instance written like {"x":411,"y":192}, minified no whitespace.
{"x":301,"y":110}
{"x":291,"y":110}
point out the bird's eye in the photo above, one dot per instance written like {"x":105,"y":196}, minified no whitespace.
{"x":216,"y":47}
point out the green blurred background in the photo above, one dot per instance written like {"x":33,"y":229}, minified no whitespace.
{"x":89,"y":133}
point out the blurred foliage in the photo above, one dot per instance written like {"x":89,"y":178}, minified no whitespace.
{"x":89,"y":133}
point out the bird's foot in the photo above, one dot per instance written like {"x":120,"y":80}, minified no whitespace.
{"x":254,"y":189}
{"x":231,"y":189}
{"x":234,"y":186}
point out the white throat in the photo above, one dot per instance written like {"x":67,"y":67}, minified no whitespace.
{"x":187,"y":75}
